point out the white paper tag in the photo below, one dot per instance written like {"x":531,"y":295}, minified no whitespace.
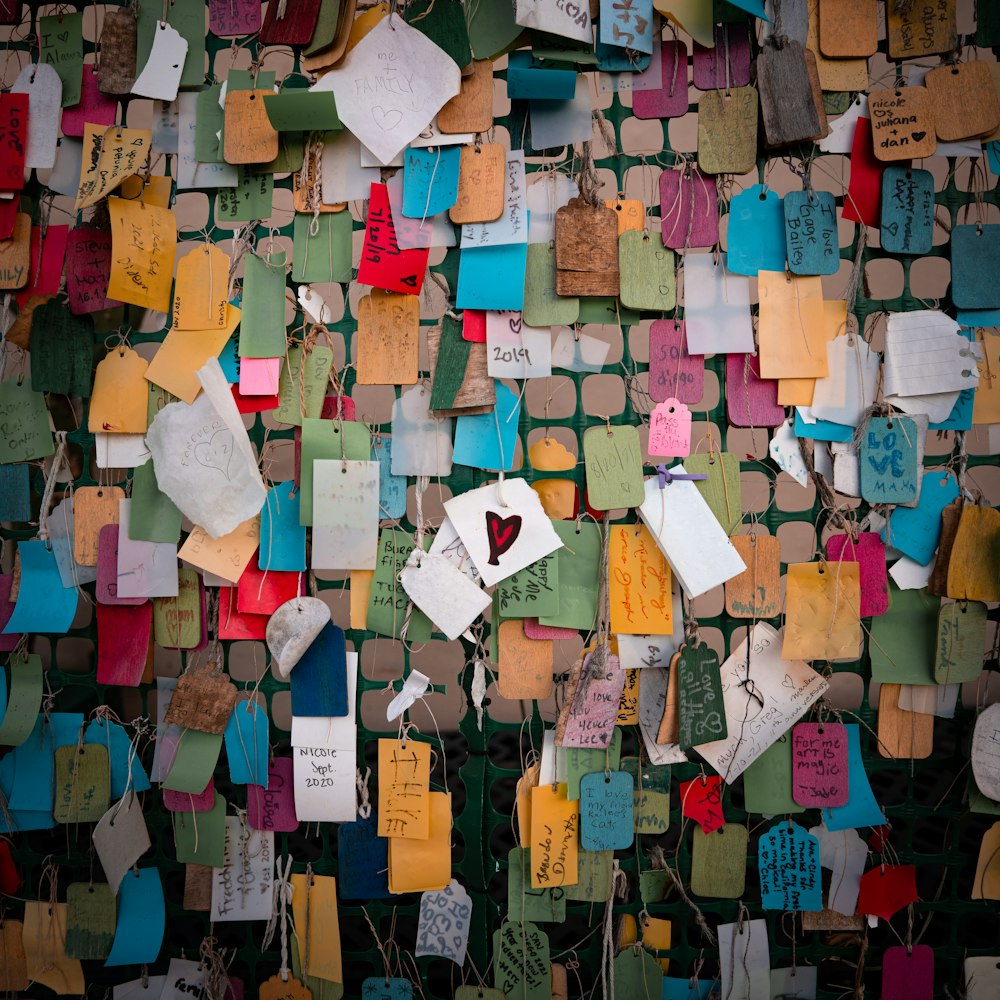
{"x":552,"y":763}
{"x":190,"y":172}
{"x":929,"y":699}
{"x":579,"y":352}
{"x":762,"y":708}
{"x":846,"y":468}
{"x":145,"y":569}
{"x":746,"y":961}
{"x":325,"y":790}
{"x":342,"y":175}
{"x":314,"y":305}
{"x":784,"y":449}
{"x":982,"y":977}
{"x":716,"y":307}
{"x":547,"y":193}
{"x":337,"y":733}
{"x":185,"y":979}
{"x":516,"y":350}
{"x":569,"y":19}
{"x":43,"y":86}
{"x":445,"y":916}
{"x":447,"y":543}
{"x":414,"y":687}
{"x":121,"y":838}
{"x":503,"y":527}
{"x":841,"y":137}
{"x":165,"y":123}
{"x":161,"y":76}
{"x":511,"y":227}
{"x":151,"y":989}
{"x":689,"y":535}
{"x":844,"y":853}
{"x":421,"y":442}
{"x":563,"y":123}
{"x":345,"y":514}
{"x":986,"y":752}
{"x":65,"y":176}
{"x":434,"y":231}
{"x":850,"y":387}
{"x":244,"y":888}
{"x":443,"y":592}
{"x":910,"y":575}
{"x":391,"y":85}
{"x":652,"y":701}
{"x":120,"y":451}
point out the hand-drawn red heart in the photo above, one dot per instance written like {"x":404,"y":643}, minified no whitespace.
{"x":502,"y":533}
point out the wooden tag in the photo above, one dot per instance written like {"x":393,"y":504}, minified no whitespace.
{"x":524,"y":665}
{"x":471,"y":109}
{"x":648,"y":279}
{"x":13,"y":964}
{"x":116,"y":65}
{"x":727,"y":131}
{"x":628,"y":704}
{"x":121,"y":394}
{"x":961,"y":638}
{"x":82,"y":783}
{"x":15,"y":254}
{"x":786,"y":95}
{"x":848,"y":28}
{"x":317,"y":59}
{"x":203,"y":700}
{"x":964,"y":101}
{"x":756,"y":592}
{"x":93,"y":508}
{"x":937,"y":585}
{"x":719,"y":862}
{"x":908,"y":735}
{"x":586,"y":249}
{"x":200,"y":289}
{"x":668,"y":734}
{"x":249,"y":136}
{"x":921,"y":29}
{"x":699,"y":684}
{"x":972,"y":571}
{"x":481,"y":172}
{"x":460,"y":383}
{"x":388,"y":331}
{"x":278,"y":989}
{"x":90,"y":920}
{"x":902,"y":123}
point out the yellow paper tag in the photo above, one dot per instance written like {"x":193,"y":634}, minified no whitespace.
{"x":791,"y":331}
{"x":143,"y":245}
{"x":119,"y":402}
{"x":821,"y":611}
{"x":986,"y":884}
{"x":423,"y":865}
{"x":227,"y":556}
{"x":799,"y":391}
{"x":555,"y":825}
{"x":361,"y":592}
{"x":152,"y":190}
{"x":45,"y":949}
{"x":314,"y":907}
{"x":110,"y":154}
{"x":404,"y":774}
{"x":522,"y":800}
{"x":638,"y":583}
{"x":201,"y":288}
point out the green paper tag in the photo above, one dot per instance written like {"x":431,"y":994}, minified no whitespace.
{"x":542,"y":307}
{"x":580,"y":761}
{"x":605,"y":311}
{"x":653,"y":885}
{"x":443,"y":22}
{"x":25,"y":420}
{"x":326,"y":27}
{"x":545,"y":906}
{"x":721,"y":491}
{"x":153,"y":516}
{"x":646,"y":266}
{"x":91,"y":919}
{"x":522,"y":970}
{"x":699,"y":689}
{"x":62,"y":49}
{"x":302,"y":111}
{"x":319,"y":361}
{"x":325,"y":439}
{"x":593,"y":877}
{"x":719,"y":862}
{"x":651,"y":803}
{"x":62,"y":351}
{"x":82,"y":783}
{"x":452,"y":361}
{"x":23,"y":702}
{"x":767,"y":782}
{"x":613,"y":460}
{"x":578,"y":564}
{"x":252,"y":198}
{"x":904,"y":639}
{"x":327,"y":255}
{"x":209,"y":116}
{"x":961,"y":638}
{"x":200,"y":837}
{"x":387,"y":604}
{"x":637,"y":974}
{"x":492,"y":29}
{"x":186,"y":17}
{"x":177,"y":620}
{"x":532,"y":592}
{"x":262,"y":323}
{"x":194,"y":763}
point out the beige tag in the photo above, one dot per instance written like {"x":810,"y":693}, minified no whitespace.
{"x":902,"y":123}
{"x":669,"y":732}
{"x":200,"y":289}
{"x":15,"y":254}
{"x":848,"y":28}
{"x":972,"y":568}
{"x":834,"y":74}
{"x":586,"y":249}
{"x":905,"y":735}
{"x":197,"y":888}
{"x":964,"y":101}
{"x":93,"y":508}
{"x":44,"y":942}
{"x":388,"y":333}
{"x":203,"y":700}
{"x":727,"y":131}
{"x":249,"y":136}
{"x":13,"y":964}
{"x":121,"y":394}
{"x":830,"y":920}
{"x":524,"y":665}
{"x":481,"y":170}
{"x":471,"y":109}
{"x":19,"y":333}
{"x":628,"y":704}
{"x":756,"y":592}
{"x":916,"y":28}
{"x":522,"y":800}
{"x":277,"y":989}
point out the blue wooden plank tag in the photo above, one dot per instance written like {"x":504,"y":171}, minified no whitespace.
{"x":915,"y":531}
{"x":391,"y":489}
{"x":811,"y":239}
{"x":907,"y":210}
{"x":606,"y":811}
{"x":319,"y":679}
{"x":889,"y":461}
{"x":975,"y":263}
{"x":430,"y":181}
{"x":788,"y":862}
{"x":282,"y":538}
{"x":756,"y":232}
{"x":363,"y":859}
{"x":246,"y":744}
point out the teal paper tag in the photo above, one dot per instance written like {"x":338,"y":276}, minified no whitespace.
{"x":756,"y":232}
{"x":811,"y":239}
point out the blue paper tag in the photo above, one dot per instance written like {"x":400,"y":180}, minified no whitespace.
{"x":492,"y":277}
{"x":993,"y":153}
{"x":319,"y":680}
{"x":626,"y":26}
{"x":363,"y":859}
{"x":43,"y":605}
{"x":822,"y":430}
{"x":977,"y":317}
{"x":788,"y":862}
{"x":282,"y":538}
{"x":607,"y":820}
{"x":526,"y":81}
{"x":960,"y":418}
{"x":430,"y":181}
{"x":246,"y":744}
{"x":975,"y":263}
{"x":888,"y":458}
{"x":113,"y":737}
{"x":391,"y":489}
{"x":380,"y":988}
{"x":687,"y":989}
{"x":489,"y":440}
{"x":907,"y":224}
{"x":915,"y":531}
{"x":34,"y":760}
{"x":756,"y":232}
{"x":755,"y":7}
{"x":141,"y":919}
{"x":20,"y":820}
{"x":811,"y":240}
{"x":15,"y":496}
{"x":861,"y":808}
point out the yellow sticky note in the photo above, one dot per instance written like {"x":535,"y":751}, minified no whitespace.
{"x":143,"y":245}
{"x":361,"y":592}
{"x":183,"y":352}
{"x":314,"y":907}
{"x":227,"y":556}
{"x":638,"y":583}
{"x":799,"y":391}
{"x":424,"y":865}
{"x":791,"y":330}
{"x":110,"y":154}
{"x":201,"y":289}
{"x":120,"y":398}
{"x":822,"y":620}
{"x":404,"y":774}
{"x":555,"y":837}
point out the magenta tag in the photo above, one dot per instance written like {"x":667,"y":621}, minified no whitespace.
{"x":123,"y":641}
{"x":185,"y":802}
{"x":94,"y":107}
{"x":8,"y":643}
{"x":869,"y":553}
{"x":227,"y":18}
{"x":908,"y":975}
{"x":688,"y":209}
{"x":533,"y":630}
{"x":673,"y":373}
{"x":273,"y":808}
{"x":728,"y":64}
{"x":591,"y":719}
{"x":751,"y":401}
{"x":88,"y":268}
{"x":107,"y":570}
{"x":670,"y":100}
{"x":819,"y":764}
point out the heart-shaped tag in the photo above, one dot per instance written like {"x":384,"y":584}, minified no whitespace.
{"x":502,"y":533}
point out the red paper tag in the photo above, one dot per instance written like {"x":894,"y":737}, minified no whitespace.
{"x":672,"y":371}
{"x":383,"y":264}
{"x":8,"y":643}
{"x":48,"y":258}
{"x":686,"y":225}
{"x":878,"y":838}
{"x":908,"y":974}
{"x":474,"y":326}
{"x":262,"y":593}
{"x":94,"y":107}
{"x":13,"y":139}
{"x":869,"y":553}
{"x":865,"y":189}
{"x":273,"y":808}
{"x":295,"y":27}
{"x":751,"y":401}
{"x":10,"y":878}
{"x":701,"y":800}
{"x":887,"y":890}
{"x":186,"y":802}
{"x":88,"y":269}
{"x":233,"y":624}
{"x":122,"y":640}
{"x":254,"y":404}
{"x":532,"y":630}
{"x":337,"y":408}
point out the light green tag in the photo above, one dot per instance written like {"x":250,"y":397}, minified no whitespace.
{"x":722,"y":490}
{"x":613,"y":461}
{"x":194,"y":763}
{"x":91,"y":919}
{"x":593,"y":877}
{"x":262,"y":324}
{"x":186,"y":17}
{"x":979,"y":803}
{"x":25,"y":421}
{"x":542,"y":307}
{"x":904,"y":639}
{"x":546,"y":906}
{"x":153,"y":516}
{"x":637,"y":974}
{"x":522,"y":970}
{"x":388,"y":601}
{"x":319,"y":361}
{"x":580,"y":761}
{"x":200,"y":837}
{"x":961,"y":638}
{"x":606,"y":311}
{"x":82,"y":784}
{"x":62,"y":49}
{"x":653,"y":885}
{"x":24,"y":700}
{"x":252,"y":198}
{"x":177,"y":620}
{"x":209,"y":116}
{"x":767,"y":782}
{"x":532,"y":592}
{"x":324,"y":439}
{"x":327,"y":255}
{"x":492,"y":29}
{"x":579,"y":563}
{"x":326,"y":27}
{"x":719,"y":862}
{"x":648,"y":277}
{"x":651,"y":800}
{"x":302,"y":111}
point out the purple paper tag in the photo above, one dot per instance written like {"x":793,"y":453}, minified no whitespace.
{"x":673,"y":373}
{"x":751,"y":401}
{"x":670,"y":100}
{"x":107,"y":569}
{"x":685,"y":224}
{"x":273,"y":808}
{"x":728,"y":64}
{"x":185,"y":802}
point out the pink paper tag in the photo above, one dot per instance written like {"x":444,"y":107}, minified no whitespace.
{"x":591,"y":720}
{"x":670,"y":430}
{"x":685,"y":224}
{"x":728,"y":64}
{"x":259,"y":376}
{"x":260,"y":593}
{"x":533,"y":630}
{"x":751,"y":401}
{"x":123,"y":642}
{"x":228,"y":18}
{"x":671,"y":99}
{"x":107,"y":570}
{"x":94,"y":107}
{"x":819,"y":764}
{"x":233,"y":624}
{"x":185,"y":802}
{"x":869,"y":553}
{"x":8,"y":643}
{"x":88,"y":268}
{"x":273,"y":808}
{"x":474,"y":326}
{"x":672,"y":371}
{"x":908,"y":975}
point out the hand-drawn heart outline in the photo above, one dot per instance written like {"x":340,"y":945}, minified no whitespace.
{"x":502,"y":532}
{"x":210,"y":450}
{"x":381,"y":117}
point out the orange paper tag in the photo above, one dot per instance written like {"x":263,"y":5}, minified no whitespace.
{"x":143,"y":245}
{"x":314,"y":907}
{"x":639,"y":583}
{"x":821,"y":611}
{"x":227,"y":556}
{"x":200,"y":290}
{"x":555,"y":824}
{"x":404,"y":773}
{"x":121,"y":394}
{"x":423,"y":865}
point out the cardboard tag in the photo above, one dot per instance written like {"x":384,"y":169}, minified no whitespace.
{"x":700,"y":708}
{"x":61,"y":47}
{"x":443,"y":593}
{"x":848,"y":29}
{"x":788,"y":862}
{"x":121,"y":838}
{"x":249,"y":136}
{"x":542,"y":306}
{"x":345,"y":518}
{"x":919,"y":31}
{"x":161,"y":75}
{"x":200,"y":291}
{"x":647,"y":272}
{"x":13,"y":140}
{"x":93,"y":508}
{"x":757,"y":238}
{"x":889,"y":471}
{"x":15,"y":255}
{"x":822,"y":602}
{"x":44,"y":89}
{"x":203,"y":701}
{"x":272,"y":808}
{"x":964,"y":101}
{"x":471,"y":109}
{"x":791,"y":326}
{"x":524,"y":665}
{"x":363,"y":858}
{"x":586,"y":240}
{"x":481,"y":185}
{"x":614,"y":467}
{"x":324,"y":784}
{"x":719,"y":862}
{"x":388,"y":326}
{"x":419,"y":865}
{"x":755,"y":593}
{"x":88,"y":269}
{"x":606,"y":818}
{"x":522,"y":966}
{"x":233,"y":17}
{"x":902,"y":123}
{"x":246,"y":743}
{"x":388,"y":602}
{"x":445,"y":919}
{"x":973,"y":247}
{"x":819,"y":764}
{"x":688,"y":212}
{"x":727,"y":131}
{"x":315,"y":912}
{"x":117,"y":65}
{"x":961,"y":635}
